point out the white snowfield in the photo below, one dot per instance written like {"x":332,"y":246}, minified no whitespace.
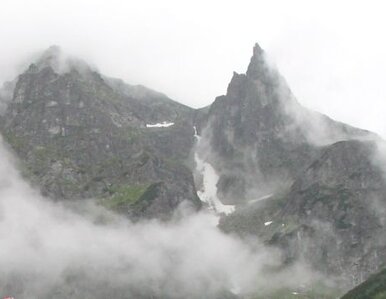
{"x":208,"y":191}
{"x":198,"y":137}
{"x":160,"y":125}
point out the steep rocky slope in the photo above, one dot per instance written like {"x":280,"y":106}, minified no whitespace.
{"x":304,"y":183}
{"x":330,"y":217}
{"x":301,"y":182}
{"x":81,"y":135}
{"x":260,"y":137}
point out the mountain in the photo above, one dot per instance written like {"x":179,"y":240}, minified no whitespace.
{"x":304,"y":183}
{"x":82,"y":135}
{"x":261,"y":138}
{"x":274,"y":170}
{"x":330,"y":216}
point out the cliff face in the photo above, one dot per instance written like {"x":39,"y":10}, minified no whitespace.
{"x":303,"y":182}
{"x":300,"y":181}
{"x":260,"y":137}
{"x":80,"y":135}
{"x":331,"y":215}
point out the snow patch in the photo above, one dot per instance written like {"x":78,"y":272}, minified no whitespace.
{"x":198,"y":137}
{"x":52,"y":104}
{"x":54,"y":130}
{"x":160,"y":125}
{"x":260,"y":198}
{"x":208,"y":191}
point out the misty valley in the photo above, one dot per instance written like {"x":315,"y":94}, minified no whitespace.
{"x":113,"y":190}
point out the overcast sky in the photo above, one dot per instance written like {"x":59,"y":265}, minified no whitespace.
{"x":332,"y":53}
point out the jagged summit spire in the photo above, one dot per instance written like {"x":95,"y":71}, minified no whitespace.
{"x":257,"y":50}
{"x":257,"y":68}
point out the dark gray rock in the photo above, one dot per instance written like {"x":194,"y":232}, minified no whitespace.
{"x":81,"y":135}
{"x":328,"y":200}
{"x":330,"y":216}
{"x":261,"y":138}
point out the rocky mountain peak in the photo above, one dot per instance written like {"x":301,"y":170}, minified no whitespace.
{"x":261,"y":130}
{"x":258,"y":68}
{"x":302,"y":182}
{"x":257,"y":50}
{"x":60,"y":62}
{"x":52,"y":57}
{"x":82,"y":135}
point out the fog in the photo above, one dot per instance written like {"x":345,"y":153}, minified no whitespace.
{"x":333,"y":63}
{"x":83,"y":251}
{"x":332,"y":54}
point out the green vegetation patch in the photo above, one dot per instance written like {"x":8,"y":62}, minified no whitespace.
{"x":18,"y":143}
{"x":124,"y":195}
{"x":380,"y":295}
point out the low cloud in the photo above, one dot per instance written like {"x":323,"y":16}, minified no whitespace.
{"x":57,"y":250}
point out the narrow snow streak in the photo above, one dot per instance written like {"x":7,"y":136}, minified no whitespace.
{"x":160,"y":125}
{"x":208,"y":192}
{"x":260,"y":198}
{"x":44,"y":244}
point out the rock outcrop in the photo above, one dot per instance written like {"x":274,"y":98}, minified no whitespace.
{"x":301,"y":181}
{"x":82,"y":135}
{"x":304,"y":183}
{"x":261,"y":138}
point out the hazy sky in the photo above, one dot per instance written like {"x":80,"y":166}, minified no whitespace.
{"x":332,"y":53}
